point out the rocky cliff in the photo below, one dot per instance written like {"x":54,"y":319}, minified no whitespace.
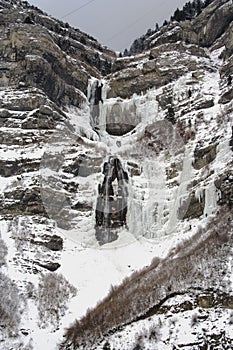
{"x":107,"y":163}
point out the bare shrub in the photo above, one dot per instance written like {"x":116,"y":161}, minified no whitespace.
{"x":3,"y":252}
{"x":231,"y":318}
{"x":54,"y":292}
{"x":148,"y":336}
{"x":10,"y":304}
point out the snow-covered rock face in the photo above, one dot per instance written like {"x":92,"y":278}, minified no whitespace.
{"x":144,"y":153}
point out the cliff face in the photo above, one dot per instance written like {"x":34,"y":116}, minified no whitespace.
{"x":40,"y":52}
{"x":176,"y":49}
{"x":105,"y":163}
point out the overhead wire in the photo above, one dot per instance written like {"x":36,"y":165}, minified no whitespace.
{"x":135,"y":22}
{"x":76,"y":10}
{"x":122,"y":30}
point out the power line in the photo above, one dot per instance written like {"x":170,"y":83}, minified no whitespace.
{"x":79,"y":8}
{"x":135,"y":22}
{"x":129,"y":26}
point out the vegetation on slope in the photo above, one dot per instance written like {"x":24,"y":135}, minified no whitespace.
{"x":196,"y":263}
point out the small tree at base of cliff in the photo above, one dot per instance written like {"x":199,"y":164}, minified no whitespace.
{"x":170,"y":116}
{"x":10,"y":303}
{"x":53,"y":295}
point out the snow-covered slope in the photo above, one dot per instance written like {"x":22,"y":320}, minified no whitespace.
{"x":61,"y":123}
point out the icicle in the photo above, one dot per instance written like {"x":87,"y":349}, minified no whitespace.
{"x":199,"y":193}
{"x":181,"y":194}
{"x":211,"y":197}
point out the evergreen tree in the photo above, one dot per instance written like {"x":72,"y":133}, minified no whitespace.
{"x":207,"y":2}
{"x":106,"y":346}
{"x":170,"y":114}
{"x":188,"y":10}
{"x":137,"y":46}
{"x":126,"y":52}
{"x":149,"y":32}
{"x":198,"y":7}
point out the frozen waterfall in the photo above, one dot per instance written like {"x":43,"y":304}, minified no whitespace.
{"x":111,"y":206}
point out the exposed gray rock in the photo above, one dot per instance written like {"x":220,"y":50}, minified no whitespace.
{"x":22,"y":201}
{"x":18,"y":166}
{"x":37,"y":121}
{"x":84,"y":165}
{"x":165,"y":68}
{"x":202,"y":30}
{"x":56,"y":62}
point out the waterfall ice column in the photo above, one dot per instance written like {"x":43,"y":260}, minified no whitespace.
{"x":146,"y":201}
{"x":111,"y":207}
{"x":211,"y":198}
{"x":97,"y":91}
{"x":180,"y":197}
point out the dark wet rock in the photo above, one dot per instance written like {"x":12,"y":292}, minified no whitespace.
{"x":54,"y":242}
{"x":226,"y":96}
{"x":50,"y":266}
{"x":204,"y":156}
{"x":231,"y":140}
{"x":134,"y":169}
{"x":205,"y":104}
{"x":111,"y":206}
{"x":224,"y":183}
{"x":192,"y":208}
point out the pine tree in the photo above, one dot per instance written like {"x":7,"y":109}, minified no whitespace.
{"x":106,"y":346}
{"x":207,"y":3}
{"x":198,"y":7}
{"x":126,"y":52}
{"x":170,"y":114}
{"x":149,"y":32}
{"x":187,"y":9}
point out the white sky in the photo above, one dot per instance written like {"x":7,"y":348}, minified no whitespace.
{"x":114,"y":23}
